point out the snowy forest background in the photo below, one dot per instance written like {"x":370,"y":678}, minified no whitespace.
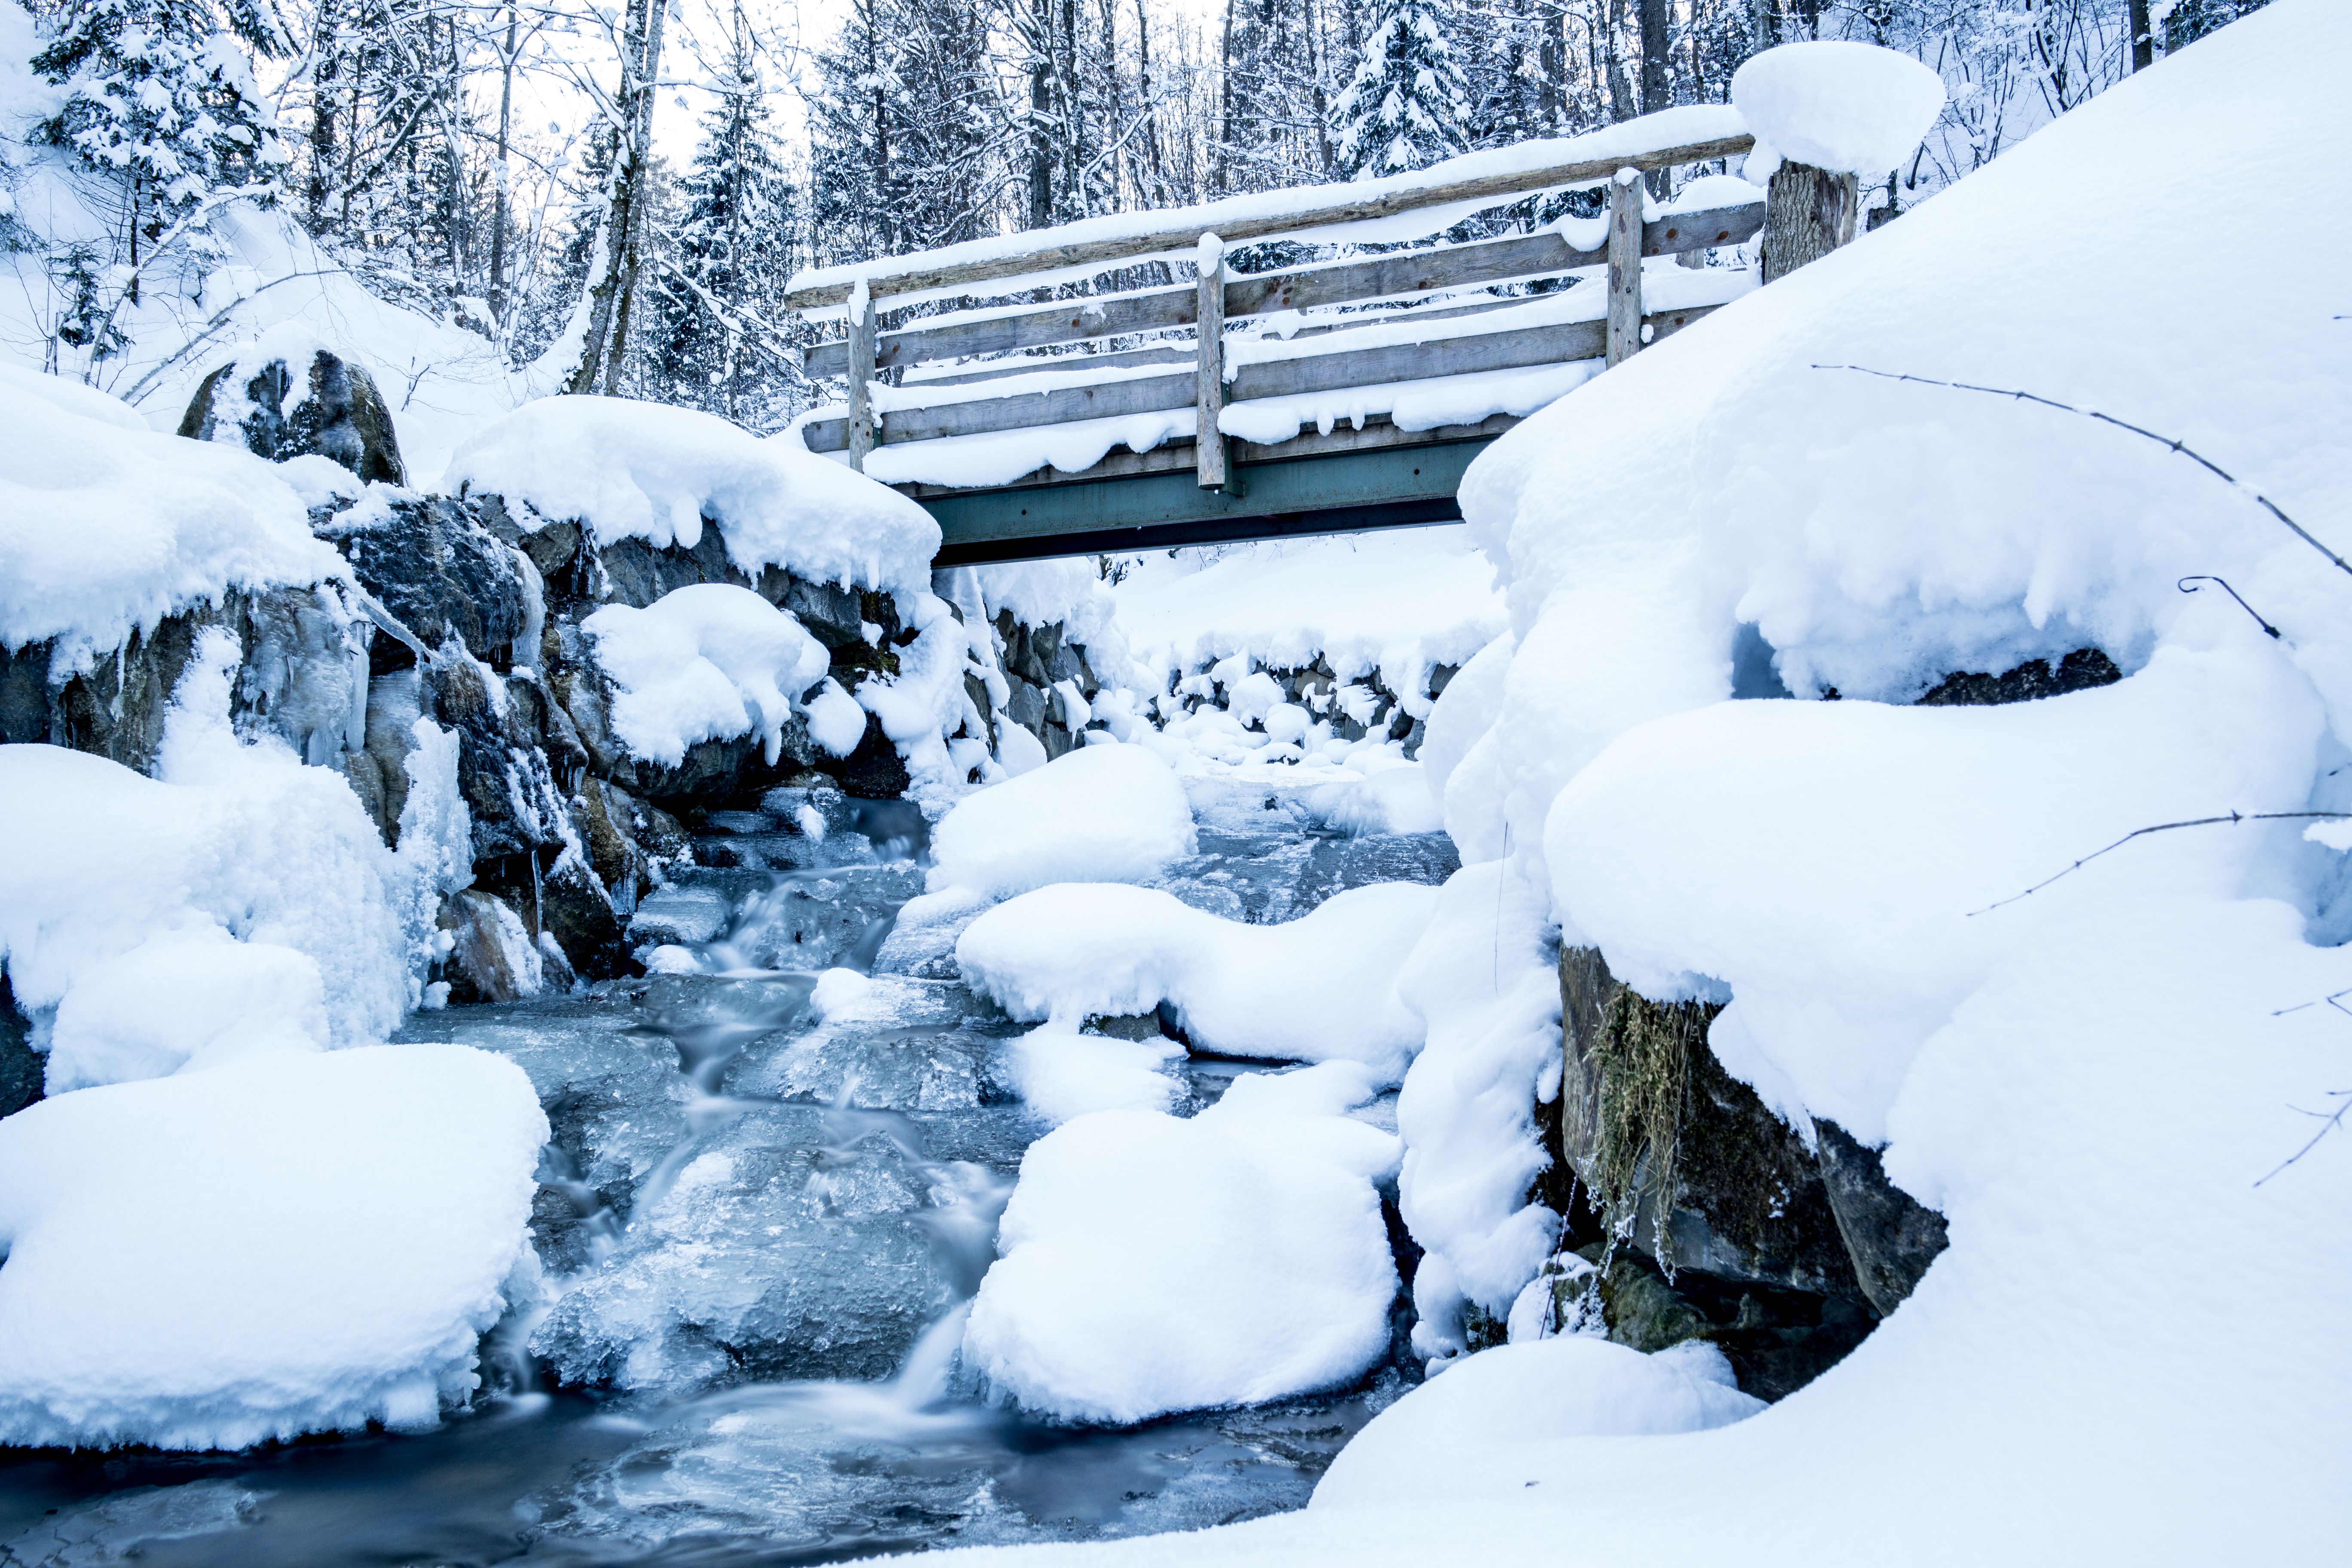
{"x":494,"y":166}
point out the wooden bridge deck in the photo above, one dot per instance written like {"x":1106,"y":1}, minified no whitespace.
{"x":1474,"y":330}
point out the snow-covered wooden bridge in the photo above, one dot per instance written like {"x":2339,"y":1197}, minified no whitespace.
{"x":1334,"y":397}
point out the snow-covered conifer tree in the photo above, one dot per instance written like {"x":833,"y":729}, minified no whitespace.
{"x":732,"y":252}
{"x":160,"y":94}
{"x":1408,"y":105}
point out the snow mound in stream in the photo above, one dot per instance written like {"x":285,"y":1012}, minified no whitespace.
{"x":1319,"y":987}
{"x":1492,"y":1423}
{"x":1148,"y":1264}
{"x":1100,"y":814}
{"x":284,"y":1244}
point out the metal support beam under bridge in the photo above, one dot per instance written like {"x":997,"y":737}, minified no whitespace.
{"x":1281,"y":497}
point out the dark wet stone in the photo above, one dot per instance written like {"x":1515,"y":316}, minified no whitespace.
{"x":2078,"y":671}
{"x":339,"y":414}
{"x":1890,"y":1235}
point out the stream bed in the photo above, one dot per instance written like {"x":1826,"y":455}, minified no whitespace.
{"x":770,"y":1192}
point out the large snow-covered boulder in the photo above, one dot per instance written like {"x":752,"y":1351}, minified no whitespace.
{"x":282,"y":1245}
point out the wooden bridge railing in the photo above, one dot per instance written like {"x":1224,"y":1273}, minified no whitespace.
{"x":1071,"y":369}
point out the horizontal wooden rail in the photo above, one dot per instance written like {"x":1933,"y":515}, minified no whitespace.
{"x":921,"y":275}
{"x":1480,"y":264}
{"x":1526,"y":348}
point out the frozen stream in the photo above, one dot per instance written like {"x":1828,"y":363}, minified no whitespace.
{"x":762,"y":1222}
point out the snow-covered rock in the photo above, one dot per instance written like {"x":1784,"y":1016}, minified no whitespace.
{"x":277,"y":1245}
{"x":106,"y":530}
{"x":1148,"y":1264}
{"x":287,"y":397}
{"x":628,"y":469}
{"x":115,"y":883}
{"x":1316,"y":988}
{"x":1101,"y":814}
{"x":712,"y":662}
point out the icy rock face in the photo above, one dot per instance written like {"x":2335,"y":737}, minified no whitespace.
{"x":302,"y":678}
{"x":335,"y":411}
{"x":434,"y":564}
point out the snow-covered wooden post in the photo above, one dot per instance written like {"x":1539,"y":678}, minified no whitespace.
{"x":1209,"y":368}
{"x":864,"y":429}
{"x":1826,"y":112}
{"x":1624,"y":326}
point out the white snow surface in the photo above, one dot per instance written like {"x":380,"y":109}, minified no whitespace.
{"x":2079,"y":1079}
{"x":712,"y":662}
{"x":282,"y":1245}
{"x":1850,"y":108}
{"x":1147,"y":1264}
{"x":1494,"y":1424}
{"x":648,"y":471}
{"x":105,"y":528}
{"x":1322,"y":987}
{"x":1098,"y":814}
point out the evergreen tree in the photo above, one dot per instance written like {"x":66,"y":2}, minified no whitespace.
{"x":1408,"y":106}
{"x":717,"y":324}
{"x":159,"y":93}
{"x":909,"y":138}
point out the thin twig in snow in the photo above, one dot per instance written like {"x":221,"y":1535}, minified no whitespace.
{"x":2235,"y":817}
{"x":2206,"y":577}
{"x":2208,"y":464}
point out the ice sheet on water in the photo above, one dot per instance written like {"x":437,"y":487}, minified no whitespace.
{"x":905,"y":1045}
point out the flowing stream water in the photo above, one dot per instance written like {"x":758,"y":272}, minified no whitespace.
{"x":762,"y":1222}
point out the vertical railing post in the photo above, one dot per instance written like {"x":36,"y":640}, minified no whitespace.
{"x":1624,"y":333}
{"x":1209,"y":401}
{"x":1808,"y":213}
{"x":865,"y":427}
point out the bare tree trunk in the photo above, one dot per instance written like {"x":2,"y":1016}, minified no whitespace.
{"x":1621,"y":91}
{"x":1041,"y":103}
{"x":1153,"y":158}
{"x":326,"y":71}
{"x":1658,"y":82}
{"x":1224,"y":99}
{"x":1315,"y":67}
{"x":604,"y":353}
{"x":502,"y":209}
{"x":2143,"y":36}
